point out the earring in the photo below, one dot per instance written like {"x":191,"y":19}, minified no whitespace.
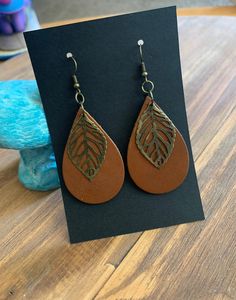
{"x":93,"y":168}
{"x":158,"y":159}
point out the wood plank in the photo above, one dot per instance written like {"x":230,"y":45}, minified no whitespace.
{"x":17,"y":68}
{"x":207,"y":11}
{"x":191,"y":11}
{"x":190,"y":261}
{"x":196,"y":261}
{"x":211,"y":86}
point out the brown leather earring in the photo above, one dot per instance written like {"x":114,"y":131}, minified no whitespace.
{"x":90,"y":157}
{"x":158,"y":159}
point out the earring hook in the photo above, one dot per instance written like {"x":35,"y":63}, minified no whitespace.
{"x":70,"y":55}
{"x":147,"y":85}
{"x":141,"y":43}
{"x":79,"y":97}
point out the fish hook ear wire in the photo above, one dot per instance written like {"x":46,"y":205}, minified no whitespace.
{"x":79,"y":97}
{"x":147,"y":85}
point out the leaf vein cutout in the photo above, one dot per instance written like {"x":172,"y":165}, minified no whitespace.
{"x":87,"y":146}
{"x":155,"y":136}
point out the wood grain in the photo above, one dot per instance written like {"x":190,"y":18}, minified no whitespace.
{"x":207,"y":11}
{"x":189,"y":261}
{"x":190,"y":11}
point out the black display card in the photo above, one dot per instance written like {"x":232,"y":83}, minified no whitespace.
{"x":110,"y":79}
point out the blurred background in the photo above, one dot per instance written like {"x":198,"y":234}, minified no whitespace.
{"x":55,"y":10}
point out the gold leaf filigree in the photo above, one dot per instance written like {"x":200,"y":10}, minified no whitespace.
{"x":155,"y":135}
{"x":87,"y":146}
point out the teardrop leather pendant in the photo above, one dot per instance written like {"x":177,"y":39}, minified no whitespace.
{"x":93,"y":168}
{"x":158,"y":159}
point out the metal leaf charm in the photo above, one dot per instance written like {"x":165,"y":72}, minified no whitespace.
{"x":155,"y":135}
{"x":87,"y":146}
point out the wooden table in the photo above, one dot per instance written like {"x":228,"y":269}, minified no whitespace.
{"x":190,"y":261}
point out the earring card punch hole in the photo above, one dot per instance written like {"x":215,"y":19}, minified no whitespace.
{"x":69,"y":55}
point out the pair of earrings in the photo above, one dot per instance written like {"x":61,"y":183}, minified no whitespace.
{"x":93,"y":169}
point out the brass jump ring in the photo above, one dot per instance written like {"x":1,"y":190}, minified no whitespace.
{"x":79,"y":98}
{"x":145,"y":90}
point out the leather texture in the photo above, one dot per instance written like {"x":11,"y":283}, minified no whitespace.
{"x":150,"y":178}
{"x":107,"y":182}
